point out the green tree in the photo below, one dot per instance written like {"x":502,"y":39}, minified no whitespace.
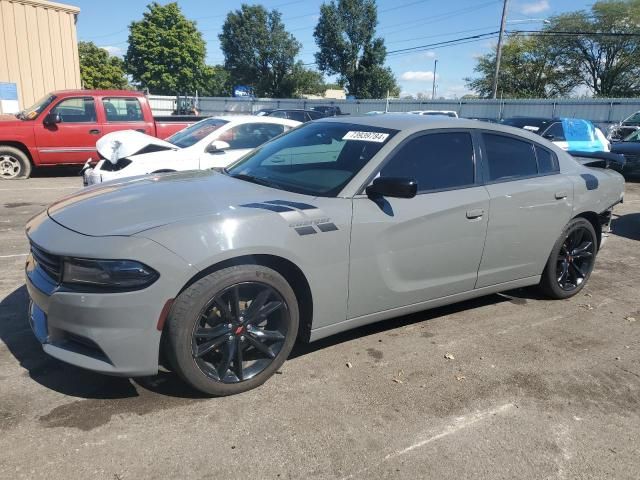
{"x":305,"y":81}
{"x":100,"y":70}
{"x":345,"y":35}
{"x":166,"y":51}
{"x":216,"y":82}
{"x":258,"y":51}
{"x":605,"y":55}
{"x":529,"y":69}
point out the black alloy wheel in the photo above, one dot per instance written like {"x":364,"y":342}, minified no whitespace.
{"x":571,"y":261}
{"x":231,"y":330}
{"x":575,"y":259}
{"x":239,"y":332}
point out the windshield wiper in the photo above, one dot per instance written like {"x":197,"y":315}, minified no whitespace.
{"x":252,"y":179}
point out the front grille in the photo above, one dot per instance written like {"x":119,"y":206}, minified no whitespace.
{"x":47,"y":262}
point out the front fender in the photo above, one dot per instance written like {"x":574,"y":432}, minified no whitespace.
{"x":315,"y":240}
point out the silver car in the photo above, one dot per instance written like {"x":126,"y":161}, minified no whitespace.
{"x":334,"y":225}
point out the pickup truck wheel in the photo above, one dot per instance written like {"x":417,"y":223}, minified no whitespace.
{"x":14,"y":164}
{"x":571,"y":261}
{"x":233,"y":329}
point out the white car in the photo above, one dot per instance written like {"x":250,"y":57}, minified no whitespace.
{"x":214,"y":142}
{"x":446,"y":113}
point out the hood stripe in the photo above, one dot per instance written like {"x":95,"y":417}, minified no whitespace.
{"x":266,"y":206}
{"x":296,"y":205}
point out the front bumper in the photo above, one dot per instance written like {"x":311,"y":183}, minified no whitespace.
{"x":112,"y":333}
{"x":91,"y":175}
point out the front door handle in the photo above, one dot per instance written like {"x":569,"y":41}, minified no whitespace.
{"x":561,"y":195}
{"x":141,"y":130}
{"x":475,"y":213}
{"x":94,"y":131}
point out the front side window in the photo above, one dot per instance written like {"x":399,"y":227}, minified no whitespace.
{"x":76,"y":110}
{"x":508,"y":158}
{"x":315,"y":159}
{"x":297,"y":116}
{"x":436,"y":161}
{"x":250,"y":135}
{"x":122,"y":110}
{"x":196,"y":132}
{"x":278,"y":114}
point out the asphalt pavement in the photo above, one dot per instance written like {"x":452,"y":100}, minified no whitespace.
{"x":509,"y":386}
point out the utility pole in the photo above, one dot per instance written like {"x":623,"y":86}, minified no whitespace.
{"x":503,"y":22}
{"x":433,"y":89}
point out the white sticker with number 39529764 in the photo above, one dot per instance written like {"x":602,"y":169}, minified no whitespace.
{"x":377,"y":137}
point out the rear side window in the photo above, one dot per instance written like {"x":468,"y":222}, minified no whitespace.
{"x":122,"y":110}
{"x":547,"y":161}
{"x":297,"y":116}
{"x":437,"y":161}
{"x":508,"y":158}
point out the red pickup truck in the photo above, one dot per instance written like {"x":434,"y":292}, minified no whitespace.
{"x":63,"y":127}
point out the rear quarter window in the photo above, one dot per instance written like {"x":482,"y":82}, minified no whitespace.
{"x":508,"y":158}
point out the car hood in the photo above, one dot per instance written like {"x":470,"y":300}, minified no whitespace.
{"x":140,"y":203}
{"x":10,"y":121}
{"x":125,"y":143}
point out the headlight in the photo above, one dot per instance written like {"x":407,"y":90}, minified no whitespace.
{"x":116,"y":274}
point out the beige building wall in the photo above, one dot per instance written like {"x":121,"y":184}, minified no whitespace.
{"x":38,"y":47}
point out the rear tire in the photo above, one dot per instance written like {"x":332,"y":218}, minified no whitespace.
{"x":233,"y":329}
{"x":571,"y":261}
{"x":14,"y":164}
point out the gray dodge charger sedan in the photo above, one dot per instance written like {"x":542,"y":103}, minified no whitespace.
{"x":336,"y":224}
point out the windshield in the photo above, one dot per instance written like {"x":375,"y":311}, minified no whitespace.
{"x":316,"y":159}
{"x":32,"y":112}
{"x":196,"y":132}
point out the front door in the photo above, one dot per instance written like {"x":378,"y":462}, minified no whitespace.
{"x":530,"y":205}
{"x":73,"y":140}
{"x":407,"y":251}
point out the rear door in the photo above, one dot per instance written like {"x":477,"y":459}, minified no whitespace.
{"x":73,"y":140}
{"x":407,"y":251}
{"x":124,"y":113}
{"x":530,"y":205}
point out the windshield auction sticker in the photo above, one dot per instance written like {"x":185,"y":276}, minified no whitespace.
{"x":366,"y":136}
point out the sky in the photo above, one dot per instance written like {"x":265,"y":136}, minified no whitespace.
{"x":402,"y":24}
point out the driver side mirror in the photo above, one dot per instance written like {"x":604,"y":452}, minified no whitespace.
{"x":52,"y":119}
{"x":217,"y":146}
{"x":399,"y":187}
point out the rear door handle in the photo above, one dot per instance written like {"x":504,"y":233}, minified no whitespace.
{"x":475,"y":213}
{"x":94,"y":131}
{"x":561,"y":195}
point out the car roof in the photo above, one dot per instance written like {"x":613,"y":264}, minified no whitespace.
{"x":416,"y":123}
{"x":128,"y":93}
{"x":254,"y":119}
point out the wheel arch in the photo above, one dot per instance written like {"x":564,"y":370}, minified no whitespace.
{"x":289,"y":270}
{"x":594,"y":220}
{"x":20,"y":146}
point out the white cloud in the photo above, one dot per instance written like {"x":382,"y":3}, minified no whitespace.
{"x":532,"y":8}
{"x":417,"y":76}
{"x":116,"y":51}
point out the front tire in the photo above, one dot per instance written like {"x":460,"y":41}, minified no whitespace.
{"x":571,"y":261}
{"x":233,"y":329}
{"x":14,"y":164}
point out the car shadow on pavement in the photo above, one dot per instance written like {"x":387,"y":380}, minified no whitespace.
{"x":59,"y":171}
{"x":16,"y":334}
{"x":627,"y":226}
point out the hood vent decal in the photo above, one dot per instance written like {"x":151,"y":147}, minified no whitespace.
{"x":300,"y":215}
